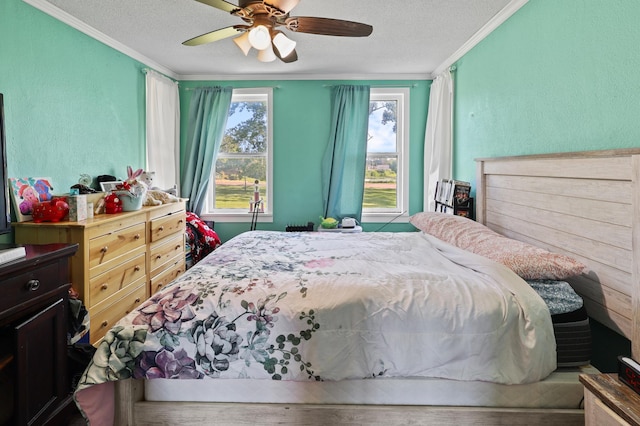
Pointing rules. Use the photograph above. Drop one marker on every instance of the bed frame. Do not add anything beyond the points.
(585, 205)
(582, 204)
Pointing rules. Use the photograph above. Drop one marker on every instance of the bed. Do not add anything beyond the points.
(518, 197)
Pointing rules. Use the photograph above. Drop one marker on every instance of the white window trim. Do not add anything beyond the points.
(241, 215)
(401, 95)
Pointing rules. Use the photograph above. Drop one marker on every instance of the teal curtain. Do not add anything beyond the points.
(208, 113)
(344, 161)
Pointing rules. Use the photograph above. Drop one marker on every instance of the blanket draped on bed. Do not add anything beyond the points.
(332, 306)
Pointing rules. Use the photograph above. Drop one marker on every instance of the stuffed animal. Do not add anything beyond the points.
(155, 197)
(147, 178)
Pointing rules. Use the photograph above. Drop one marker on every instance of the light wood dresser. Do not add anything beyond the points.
(121, 260)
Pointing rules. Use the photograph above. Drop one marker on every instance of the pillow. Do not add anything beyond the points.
(529, 262)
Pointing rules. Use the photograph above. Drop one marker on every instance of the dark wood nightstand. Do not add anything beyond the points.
(608, 401)
(33, 335)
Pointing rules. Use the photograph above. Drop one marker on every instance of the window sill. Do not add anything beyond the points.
(385, 218)
(237, 217)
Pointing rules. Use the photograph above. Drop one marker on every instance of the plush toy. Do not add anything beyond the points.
(147, 178)
(112, 204)
(155, 197)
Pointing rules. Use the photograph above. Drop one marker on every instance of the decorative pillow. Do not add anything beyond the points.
(529, 262)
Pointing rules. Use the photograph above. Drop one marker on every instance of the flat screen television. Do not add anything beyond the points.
(5, 214)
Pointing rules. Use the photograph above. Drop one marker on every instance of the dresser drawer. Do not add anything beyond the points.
(172, 270)
(162, 253)
(23, 287)
(116, 279)
(106, 248)
(102, 320)
(168, 225)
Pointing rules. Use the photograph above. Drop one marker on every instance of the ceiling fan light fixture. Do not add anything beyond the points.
(284, 44)
(259, 37)
(242, 41)
(267, 55)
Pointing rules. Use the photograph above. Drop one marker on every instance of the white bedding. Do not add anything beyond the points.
(330, 306)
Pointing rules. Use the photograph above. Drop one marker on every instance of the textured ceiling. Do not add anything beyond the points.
(411, 37)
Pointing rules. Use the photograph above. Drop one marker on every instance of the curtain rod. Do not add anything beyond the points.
(146, 71)
(379, 85)
(260, 87)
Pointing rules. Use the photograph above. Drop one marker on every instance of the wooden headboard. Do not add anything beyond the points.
(583, 204)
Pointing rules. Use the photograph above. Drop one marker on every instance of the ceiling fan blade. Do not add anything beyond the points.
(328, 26)
(213, 36)
(284, 5)
(220, 4)
(293, 56)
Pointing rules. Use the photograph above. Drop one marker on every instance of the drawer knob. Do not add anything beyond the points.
(180, 222)
(104, 286)
(137, 268)
(161, 228)
(104, 249)
(159, 256)
(137, 300)
(33, 285)
(136, 237)
(178, 247)
(104, 323)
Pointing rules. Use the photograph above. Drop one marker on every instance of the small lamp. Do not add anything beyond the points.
(259, 37)
(243, 42)
(267, 55)
(284, 44)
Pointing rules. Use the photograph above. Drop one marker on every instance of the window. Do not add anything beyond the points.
(386, 175)
(244, 157)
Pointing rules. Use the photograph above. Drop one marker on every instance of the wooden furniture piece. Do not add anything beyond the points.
(585, 205)
(608, 401)
(33, 335)
(582, 204)
(122, 258)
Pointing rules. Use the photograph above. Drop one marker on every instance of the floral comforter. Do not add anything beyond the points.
(331, 306)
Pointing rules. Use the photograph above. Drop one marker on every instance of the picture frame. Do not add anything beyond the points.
(110, 186)
(26, 192)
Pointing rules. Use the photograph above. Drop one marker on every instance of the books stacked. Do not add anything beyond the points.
(9, 252)
(454, 197)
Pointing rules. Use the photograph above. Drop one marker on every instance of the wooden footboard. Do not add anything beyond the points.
(132, 410)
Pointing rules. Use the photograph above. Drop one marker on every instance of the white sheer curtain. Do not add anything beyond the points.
(163, 130)
(439, 137)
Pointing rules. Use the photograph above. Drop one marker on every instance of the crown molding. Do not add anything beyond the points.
(73, 22)
(292, 77)
(482, 33)
(66, 18)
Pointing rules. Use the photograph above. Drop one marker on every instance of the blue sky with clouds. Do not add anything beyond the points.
(383, 138)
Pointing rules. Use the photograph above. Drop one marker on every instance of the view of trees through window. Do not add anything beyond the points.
(242, 158)
(243, 155)
(381, 175)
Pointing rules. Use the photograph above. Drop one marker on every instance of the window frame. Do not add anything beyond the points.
(243, 214)
(401, 96)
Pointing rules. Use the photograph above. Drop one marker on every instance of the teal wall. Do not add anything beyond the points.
(301, 121)
(72, 104)
(556, 76)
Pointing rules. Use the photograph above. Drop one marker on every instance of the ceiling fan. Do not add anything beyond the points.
(262, 32)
